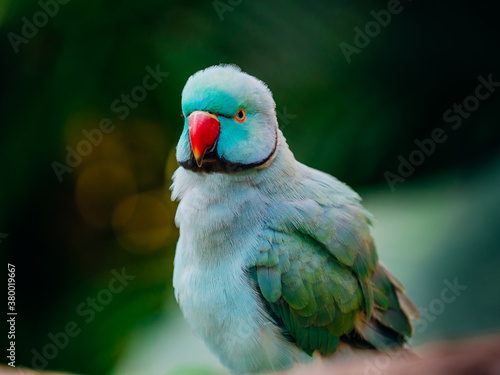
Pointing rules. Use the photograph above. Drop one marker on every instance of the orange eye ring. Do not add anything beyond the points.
(240, 116)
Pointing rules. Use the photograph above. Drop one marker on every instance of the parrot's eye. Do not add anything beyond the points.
(241, 115)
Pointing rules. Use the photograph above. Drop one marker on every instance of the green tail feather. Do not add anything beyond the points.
(390, 324)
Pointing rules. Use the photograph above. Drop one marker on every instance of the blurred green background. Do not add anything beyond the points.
(353, 120)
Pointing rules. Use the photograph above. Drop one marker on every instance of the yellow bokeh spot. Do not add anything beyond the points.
(142, 223)
(100, 187)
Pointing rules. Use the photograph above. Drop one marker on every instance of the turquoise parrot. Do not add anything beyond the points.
(275, 260)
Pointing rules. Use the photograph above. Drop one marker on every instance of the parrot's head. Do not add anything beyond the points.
(230, 122)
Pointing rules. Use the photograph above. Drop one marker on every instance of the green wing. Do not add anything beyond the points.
(318, 275)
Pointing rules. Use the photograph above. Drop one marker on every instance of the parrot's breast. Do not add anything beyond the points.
(219, 231)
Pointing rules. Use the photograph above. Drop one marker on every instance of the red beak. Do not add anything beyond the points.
(204, 130)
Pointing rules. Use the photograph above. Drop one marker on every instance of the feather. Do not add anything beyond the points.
(379, 337)
(407, 306)
(269, 279)
(368, 296)
(394, 319)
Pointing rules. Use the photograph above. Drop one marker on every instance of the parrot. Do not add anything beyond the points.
(274, 262)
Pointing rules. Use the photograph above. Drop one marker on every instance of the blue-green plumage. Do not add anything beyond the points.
(275, 259)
